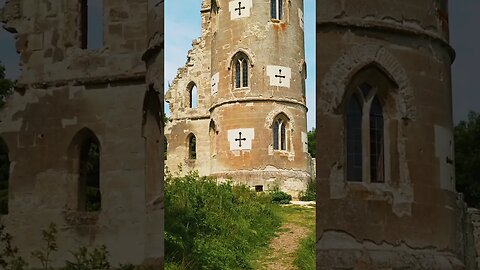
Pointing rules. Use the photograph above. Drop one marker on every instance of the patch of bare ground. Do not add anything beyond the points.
(283, 247)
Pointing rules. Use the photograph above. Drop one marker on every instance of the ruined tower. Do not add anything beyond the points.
(386, 189)
(248, 68)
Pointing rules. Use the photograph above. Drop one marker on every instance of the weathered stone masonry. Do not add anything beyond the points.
(413, 218)
(66, 91)
(236, 115)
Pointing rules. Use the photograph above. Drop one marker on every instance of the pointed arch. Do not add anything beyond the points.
(240, 66)
(276, 9)
(85, 152)
(91, 13)
(280, 127)
(192, 146)
(335, 82)
(353, 132)
(367, 107)
(192, 95)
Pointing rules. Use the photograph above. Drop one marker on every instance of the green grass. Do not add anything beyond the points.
(215, 226)
(305, 256)
(298, 215)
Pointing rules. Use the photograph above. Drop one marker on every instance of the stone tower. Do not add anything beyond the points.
(386, 189)
(249, 70)
(70, 96)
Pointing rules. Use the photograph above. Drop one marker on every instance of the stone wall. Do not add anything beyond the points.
(66, 91)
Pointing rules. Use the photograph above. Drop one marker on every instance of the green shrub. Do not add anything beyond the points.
(49, 236)
(281, 197)
(214, 226)
(310, 194)
(96, 259)
(305, 255)
(9, 258)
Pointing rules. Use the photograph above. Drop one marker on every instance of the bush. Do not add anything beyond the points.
(310, 194)
(49, 236)
(9, 258)
(214, 226)
(86, 260)
(281, 197)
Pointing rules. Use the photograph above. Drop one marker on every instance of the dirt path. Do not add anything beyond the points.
(283, 247)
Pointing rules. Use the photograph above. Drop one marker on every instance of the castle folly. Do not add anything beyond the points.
(247, 73)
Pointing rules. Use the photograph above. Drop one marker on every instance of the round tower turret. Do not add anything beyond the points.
(258, 106)
(386, 189)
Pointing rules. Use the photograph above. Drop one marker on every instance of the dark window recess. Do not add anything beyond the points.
(90, 196)
(192, 147)
(376, 142)
(276, 9)
(259, 188)
(91, 24)
(280, 133)
(237, 74)
(240, 70)
(354, 140)
(192, 96)
(365, 88)
(245, 73)
(276, 128)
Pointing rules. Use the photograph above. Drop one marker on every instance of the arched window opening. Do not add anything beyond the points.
(192, 147)
(280, 133)
(4, 177)
(376, 142)
(91, 24)
(365, 124)
(192, 95)
(276, 9)
(354, 139)
(240, 66)
(90, 196)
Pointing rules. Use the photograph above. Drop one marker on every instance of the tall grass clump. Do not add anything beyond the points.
(210, 225)
(311, 193)
(305, 255)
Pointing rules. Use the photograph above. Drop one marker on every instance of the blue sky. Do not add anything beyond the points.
(182, 25)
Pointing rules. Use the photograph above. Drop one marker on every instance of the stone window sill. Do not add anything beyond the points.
(282, 152)
(374, 191)
(76, 218)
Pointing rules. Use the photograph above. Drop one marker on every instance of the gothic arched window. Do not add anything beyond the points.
(280, 126)
(276, 9)
(364, 135)
(192, 147)
(240, 70)
(192, 95)
(85, 154)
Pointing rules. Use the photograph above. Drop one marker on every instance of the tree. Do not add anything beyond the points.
(467, 158)
(311, 142)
